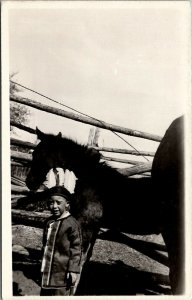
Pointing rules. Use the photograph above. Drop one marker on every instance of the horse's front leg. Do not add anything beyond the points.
(89, 217)
(89, 236)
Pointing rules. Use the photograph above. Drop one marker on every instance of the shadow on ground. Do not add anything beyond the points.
(120, 279)
(115, 278)
(150, 249)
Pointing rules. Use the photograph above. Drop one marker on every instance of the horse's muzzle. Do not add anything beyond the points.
(32, 184)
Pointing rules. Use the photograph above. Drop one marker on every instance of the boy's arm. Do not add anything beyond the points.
(45, 229)
(75, 249)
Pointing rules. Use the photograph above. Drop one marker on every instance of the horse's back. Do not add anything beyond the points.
(168, 180)
(168, 161)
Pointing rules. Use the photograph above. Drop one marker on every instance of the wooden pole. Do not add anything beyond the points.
(35, 219)
(19, 164)
(24, 144)
(124, 171)
(21, 155)
(124, 151)
(83, 119)
(16, 142)
(121, 160)
(138, 169)
(19, 189)
(96, 137)
(28, 157)
(17, 181)
(91, 136)
(23, 127)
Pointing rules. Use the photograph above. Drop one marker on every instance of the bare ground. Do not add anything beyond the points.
(121, 264)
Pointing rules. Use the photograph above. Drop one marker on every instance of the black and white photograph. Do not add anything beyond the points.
(96, 149)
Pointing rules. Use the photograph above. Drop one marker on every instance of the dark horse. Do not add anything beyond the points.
(104, 197)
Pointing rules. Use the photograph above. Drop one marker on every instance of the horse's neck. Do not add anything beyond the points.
(82, 163)
(74, 160)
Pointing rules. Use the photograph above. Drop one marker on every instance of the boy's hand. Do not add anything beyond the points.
(72, 277)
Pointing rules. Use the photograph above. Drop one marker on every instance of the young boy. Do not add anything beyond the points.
(62, 246)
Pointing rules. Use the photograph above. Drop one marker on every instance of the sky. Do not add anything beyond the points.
(126, 63)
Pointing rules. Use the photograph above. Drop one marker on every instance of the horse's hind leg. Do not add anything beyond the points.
(174, 241)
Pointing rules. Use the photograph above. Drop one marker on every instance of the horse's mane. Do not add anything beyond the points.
(83, 160)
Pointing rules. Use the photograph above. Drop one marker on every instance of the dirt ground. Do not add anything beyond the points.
(121, 264)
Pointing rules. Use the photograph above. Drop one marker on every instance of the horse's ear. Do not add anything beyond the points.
(40, 134)
(59, 135)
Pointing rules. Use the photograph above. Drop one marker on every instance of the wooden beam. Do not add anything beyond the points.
(96, 136)
(17, 181)
(23, 127)
(35, 219)
(28, 157)
(24, 144)
(124, 151)
(138, 169)
(21, 155)
(86, 120)
(19, 189)
(91, 136)
(23, 189)
(121, 160)
(19, 164)
(17, 142)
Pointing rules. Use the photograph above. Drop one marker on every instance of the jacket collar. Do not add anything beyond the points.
(64, 215)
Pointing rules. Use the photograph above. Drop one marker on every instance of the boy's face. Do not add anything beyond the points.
(58, 205)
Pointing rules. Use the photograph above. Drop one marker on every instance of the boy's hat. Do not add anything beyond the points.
(59, 191)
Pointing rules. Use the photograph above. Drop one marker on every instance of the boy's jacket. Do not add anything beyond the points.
(62, 251)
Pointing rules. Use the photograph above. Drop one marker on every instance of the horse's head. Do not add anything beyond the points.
(44, 157)
(55, 151)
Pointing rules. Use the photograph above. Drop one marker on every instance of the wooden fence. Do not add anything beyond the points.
(20, 161)
(86, 120)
